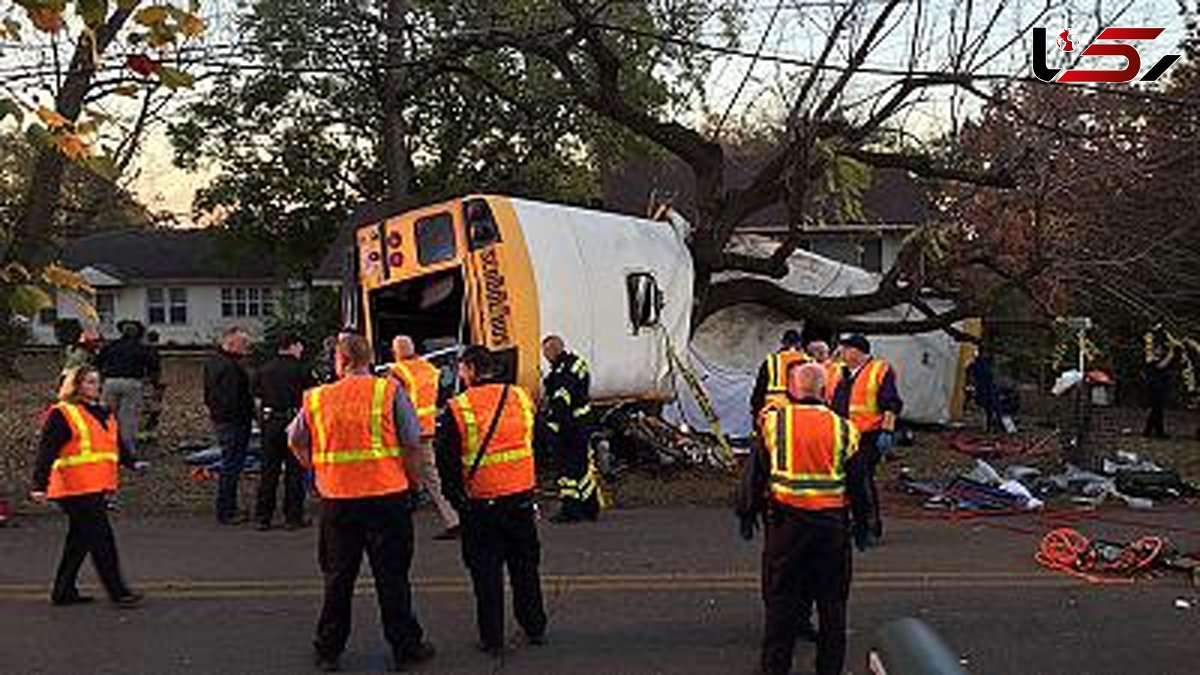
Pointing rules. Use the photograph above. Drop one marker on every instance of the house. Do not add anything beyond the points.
(186, 284)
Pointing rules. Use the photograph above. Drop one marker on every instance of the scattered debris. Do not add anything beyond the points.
(1182, 603)
(1100, 562)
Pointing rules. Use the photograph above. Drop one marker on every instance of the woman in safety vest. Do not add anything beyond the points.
(77, 468)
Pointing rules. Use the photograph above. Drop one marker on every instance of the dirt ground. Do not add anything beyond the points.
(168, 486)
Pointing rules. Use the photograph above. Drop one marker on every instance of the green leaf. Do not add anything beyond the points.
(13, 29)
(10, 107)
(103, 166)
(27, 300)
(93, 12)
(173, 78)
(39, 135)
(151, 16)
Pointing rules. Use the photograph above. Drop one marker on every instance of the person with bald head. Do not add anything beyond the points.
(797, 482)
(567, 407)
(420, 381)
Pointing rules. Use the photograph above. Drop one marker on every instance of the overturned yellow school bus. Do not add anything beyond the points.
(503, 273)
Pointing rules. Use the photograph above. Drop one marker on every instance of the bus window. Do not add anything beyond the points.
(481, 226)
(435, 239)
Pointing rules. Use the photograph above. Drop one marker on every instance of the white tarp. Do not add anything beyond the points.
(728, 348)
(582, 261)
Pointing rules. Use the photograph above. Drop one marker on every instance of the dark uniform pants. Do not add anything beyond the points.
(806, 560)
(493, 538)
(577, 483)
(868, 517)
(277, 460)
(88, 532)
(381, 526)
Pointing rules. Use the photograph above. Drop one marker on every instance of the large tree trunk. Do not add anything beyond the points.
(396, 159)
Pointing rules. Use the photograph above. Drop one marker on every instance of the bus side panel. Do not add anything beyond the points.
(503, 296)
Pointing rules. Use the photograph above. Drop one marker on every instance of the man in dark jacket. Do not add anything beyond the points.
(231, 408)
(279, 385)
(124, 365)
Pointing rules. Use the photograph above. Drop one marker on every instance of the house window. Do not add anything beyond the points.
(106, 307)
(48, 315)
(872, 255)
(166, 306)
(250, 301)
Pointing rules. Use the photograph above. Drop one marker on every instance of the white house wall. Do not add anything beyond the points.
(203, 326)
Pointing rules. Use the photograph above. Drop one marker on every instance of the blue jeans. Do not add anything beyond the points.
(234, 439)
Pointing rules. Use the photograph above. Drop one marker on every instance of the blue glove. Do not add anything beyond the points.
(748, 526)
(884, 443)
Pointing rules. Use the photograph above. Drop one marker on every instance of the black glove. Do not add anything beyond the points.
(748, 525)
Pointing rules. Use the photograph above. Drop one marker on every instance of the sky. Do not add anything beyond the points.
(749, 90)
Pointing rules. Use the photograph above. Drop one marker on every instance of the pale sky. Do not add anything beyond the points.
(796, 33)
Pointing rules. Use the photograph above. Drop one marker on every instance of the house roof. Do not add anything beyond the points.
(167, 254)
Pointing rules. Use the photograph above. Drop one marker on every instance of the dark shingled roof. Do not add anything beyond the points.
(167, 254)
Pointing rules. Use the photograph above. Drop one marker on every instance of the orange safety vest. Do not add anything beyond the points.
(864, 397)
(87, 464)
(507, 464)
(777, 373)
(356, 449)
(833, 375)
(808, 445)
(420, 379)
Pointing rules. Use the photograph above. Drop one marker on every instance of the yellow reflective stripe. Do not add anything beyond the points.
(580, 367)
(90, 458)
(773, 373)
(783, 440)
(377, 399)
(583, 411)
(348, 456)
(553, 426)
(81, 427)
(314, 408)
(563, 394)
(527, 413)
(491, 458)
(809, 488)
(427, 410)
(469, 421)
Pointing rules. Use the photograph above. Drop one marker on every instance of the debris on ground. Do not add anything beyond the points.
(1105, 562)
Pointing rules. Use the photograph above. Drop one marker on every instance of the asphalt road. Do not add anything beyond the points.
(644, 591)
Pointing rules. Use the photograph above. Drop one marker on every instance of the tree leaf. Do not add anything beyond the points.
(10, 107)
(103, 166)
(192, 26)
(93, 12)
(39, 135)
(57, 276)
(13, 29)
(127, 90)
(51, 117)
(15, 273)
(142, 65)
(46, 19)
(173, 78)
(27, 300)
(72, 146)
(151, 16)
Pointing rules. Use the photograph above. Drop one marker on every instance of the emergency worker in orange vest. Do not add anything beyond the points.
(798, 480)
(867, 394)
(770, 387)
(485, 455)
(76, 467)
(818, 351)
(362, 439)
(420, 380)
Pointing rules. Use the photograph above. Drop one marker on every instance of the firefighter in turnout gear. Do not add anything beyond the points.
(362, 439)
(485, 457)
(420, 380)
(770, 387)
(798, 481)
(567, 408)
(867, 394)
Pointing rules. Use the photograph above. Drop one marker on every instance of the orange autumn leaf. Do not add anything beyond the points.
(72, 146)
(51, 118)
(46, 19)
(192, 26)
